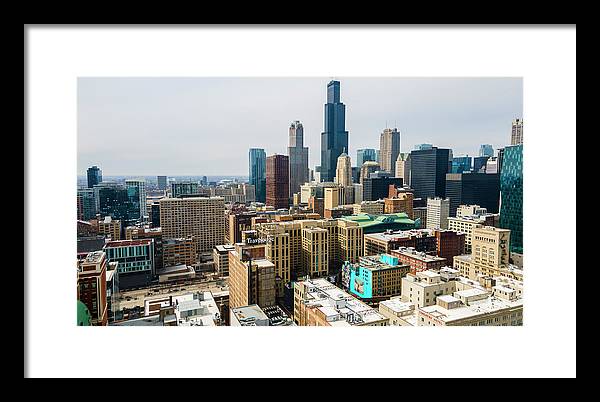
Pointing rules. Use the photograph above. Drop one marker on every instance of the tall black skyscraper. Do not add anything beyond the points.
(94, 176)
(334, 139)
(428, 172)
(473, 188)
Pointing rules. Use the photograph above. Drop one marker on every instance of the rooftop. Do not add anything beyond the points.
(351, 311)
(128, 243)
(419, 255)
(485, 306)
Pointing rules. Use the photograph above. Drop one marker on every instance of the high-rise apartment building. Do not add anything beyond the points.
(438, 211)
(428, 172)
(202, 218)
(91, 286)
(363, 155)
(486, 150)
(138, 186)
(511, 193)
(343, 171)
(298, 157)
(473, 188)
(251, 277)
(278, 187)
(516, 135)
(94, 176)
(344, 243)
(389, 148)
(161, 182)
(334, 138)
(86, 204)
(257, 172)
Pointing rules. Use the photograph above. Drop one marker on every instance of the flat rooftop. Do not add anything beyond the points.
(399, 234)
(418, 255)
(485, 306)
(128, 243)
(397, 306)
(224, 248)
(326, 294)
(249, 312)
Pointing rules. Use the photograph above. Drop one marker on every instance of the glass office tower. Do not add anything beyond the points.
(363, 155)
(94, 176)
(257, 172)
(428, 172)
(511, 195)
(334, 138)
(461, 164)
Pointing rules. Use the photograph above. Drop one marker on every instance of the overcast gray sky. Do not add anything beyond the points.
(204, 126)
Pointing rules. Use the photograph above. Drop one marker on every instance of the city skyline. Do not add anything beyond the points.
(150, 117)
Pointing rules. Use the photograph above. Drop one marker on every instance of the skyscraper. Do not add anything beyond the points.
(363, 155)
(479, 163)
(334, 139)
(403, 168)
(367, 168)
(257, 170)
(138, 186)
(423, 147)
(162, 182)
(486, 150)
(277, 181)
(428, 172)
(461, 164)
(511, 195)
(94, 176)
(343, 171)
(473, 188)
(516, 136)
(298, 155)
(389, 148)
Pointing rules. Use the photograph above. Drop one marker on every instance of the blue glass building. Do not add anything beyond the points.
(479, 162)
(461, 164)
(511, 195)
(119, 202)
(94, 176)
(334, 138)
(423, 147)
(257, 172)
(363, 155)
(486, 150)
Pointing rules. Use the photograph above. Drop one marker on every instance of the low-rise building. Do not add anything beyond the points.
(318, 302)
(422, 240)
(398, 312)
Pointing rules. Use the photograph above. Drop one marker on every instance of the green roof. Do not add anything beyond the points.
(367, 220)
(84, 317)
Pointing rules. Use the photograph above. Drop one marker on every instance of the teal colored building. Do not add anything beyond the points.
(511, 195)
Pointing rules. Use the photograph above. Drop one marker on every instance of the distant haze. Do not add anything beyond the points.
(205, 126)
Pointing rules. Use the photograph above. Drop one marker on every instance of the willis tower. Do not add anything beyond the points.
(334, 139)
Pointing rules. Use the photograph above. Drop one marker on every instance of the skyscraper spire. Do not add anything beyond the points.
(334, 138)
